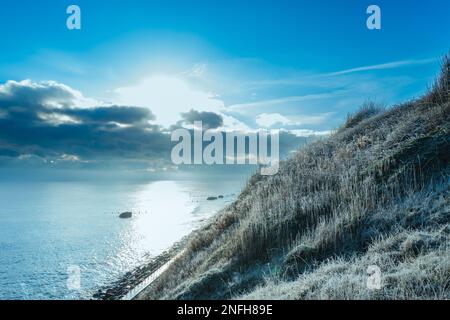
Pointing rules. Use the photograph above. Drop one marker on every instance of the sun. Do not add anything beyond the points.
(167, 96)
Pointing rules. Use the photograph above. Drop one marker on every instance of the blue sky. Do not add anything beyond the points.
(298, 65)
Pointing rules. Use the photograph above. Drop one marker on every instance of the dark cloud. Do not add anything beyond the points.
(42, 120)
(27, 94)
(117, 114)
(43, 123)
(210, 120)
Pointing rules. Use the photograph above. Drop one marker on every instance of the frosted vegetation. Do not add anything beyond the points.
(376, 192)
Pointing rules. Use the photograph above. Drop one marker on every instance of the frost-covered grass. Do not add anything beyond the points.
(414, 262)
(374, 193)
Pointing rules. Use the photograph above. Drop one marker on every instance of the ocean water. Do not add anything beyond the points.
(52, 232)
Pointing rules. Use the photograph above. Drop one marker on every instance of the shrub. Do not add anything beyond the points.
(367, 110)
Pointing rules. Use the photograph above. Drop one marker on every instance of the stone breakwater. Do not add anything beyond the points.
(120, 288)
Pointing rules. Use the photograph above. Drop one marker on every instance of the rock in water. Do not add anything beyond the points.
(125, 215)
(211, 198)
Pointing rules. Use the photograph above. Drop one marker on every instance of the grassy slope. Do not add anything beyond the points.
(375, 193)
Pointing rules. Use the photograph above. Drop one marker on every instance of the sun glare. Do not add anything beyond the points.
(168, 96)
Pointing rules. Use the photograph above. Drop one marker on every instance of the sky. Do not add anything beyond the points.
(138, 68)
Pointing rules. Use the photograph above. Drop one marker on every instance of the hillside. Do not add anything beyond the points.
(376, 192)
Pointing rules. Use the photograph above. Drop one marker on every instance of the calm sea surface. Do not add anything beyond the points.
(50, 229)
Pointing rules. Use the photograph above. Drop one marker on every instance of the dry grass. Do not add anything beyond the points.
(366, 111)
(375, 192)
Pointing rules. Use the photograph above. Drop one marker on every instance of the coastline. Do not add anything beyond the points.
(131, 280)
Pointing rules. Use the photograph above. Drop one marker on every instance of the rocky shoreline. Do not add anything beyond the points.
(132, 279)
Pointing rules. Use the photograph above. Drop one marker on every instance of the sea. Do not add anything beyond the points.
(63, 239)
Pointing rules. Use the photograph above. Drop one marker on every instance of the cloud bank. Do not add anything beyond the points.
(52, 123)
(46, 119)
(210, 120)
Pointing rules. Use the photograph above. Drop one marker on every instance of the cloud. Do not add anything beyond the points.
(311, 119)
(209, 120)
(317, 79)
(309, 133)
(47, 94)
(276, 120)
(168, 97)
(115, 114)
(322, 101)
(42, 119)
(389, 65)
(284, 100)
(197, 71)
(231, 123)
(42, 124)
(268, 120)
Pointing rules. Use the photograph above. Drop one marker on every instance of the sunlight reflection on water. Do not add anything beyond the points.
(46, 227)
